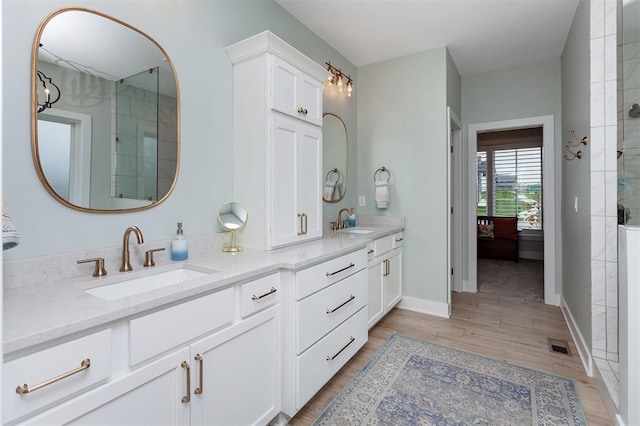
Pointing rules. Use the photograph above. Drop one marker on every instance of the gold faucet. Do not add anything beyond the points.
(343, 225)
(126, 265)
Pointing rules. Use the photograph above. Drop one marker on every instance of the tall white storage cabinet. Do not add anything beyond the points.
(277, 141)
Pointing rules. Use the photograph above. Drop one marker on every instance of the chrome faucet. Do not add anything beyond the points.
(126, 265)
(341, 224)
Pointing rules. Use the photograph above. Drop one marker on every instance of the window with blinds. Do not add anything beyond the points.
(510, 176)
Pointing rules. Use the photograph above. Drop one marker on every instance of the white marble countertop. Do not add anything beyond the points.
(37, 314)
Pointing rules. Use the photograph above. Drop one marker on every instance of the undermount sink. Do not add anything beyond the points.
(134, 286)
(358, 231)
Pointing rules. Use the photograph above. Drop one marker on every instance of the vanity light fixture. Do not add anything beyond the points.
(342, 81)
(51, 92)
(574, 142)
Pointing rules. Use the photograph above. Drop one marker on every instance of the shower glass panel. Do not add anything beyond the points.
(629, 152)
(136, 168)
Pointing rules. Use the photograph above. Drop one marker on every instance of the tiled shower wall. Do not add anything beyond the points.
(603, 146)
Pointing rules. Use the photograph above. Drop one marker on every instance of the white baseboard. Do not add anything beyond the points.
(425, 306)
(583, 350)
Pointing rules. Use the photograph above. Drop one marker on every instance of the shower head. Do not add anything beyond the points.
(634, 112)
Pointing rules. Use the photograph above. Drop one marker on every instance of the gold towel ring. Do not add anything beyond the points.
(382, 169)
(332, 171)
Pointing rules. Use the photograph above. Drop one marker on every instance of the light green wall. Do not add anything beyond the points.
(520, 92)
(194, 34)
(402, 125)
(454, 87)
(576, 226)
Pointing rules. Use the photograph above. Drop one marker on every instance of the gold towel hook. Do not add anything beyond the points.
(382, 169)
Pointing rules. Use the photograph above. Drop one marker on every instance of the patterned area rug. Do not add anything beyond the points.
(412, 382)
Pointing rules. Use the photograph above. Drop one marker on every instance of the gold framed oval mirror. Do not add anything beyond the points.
(335, 157)
(105, 115)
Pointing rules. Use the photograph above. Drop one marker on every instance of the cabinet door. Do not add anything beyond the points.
(150, 395)
(296, 156)
(286, 225)
(376, 307)
(295, 93)
(241, 373)
(310, 178)
(393, 279)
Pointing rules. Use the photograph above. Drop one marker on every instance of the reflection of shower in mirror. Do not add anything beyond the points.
(634, 111)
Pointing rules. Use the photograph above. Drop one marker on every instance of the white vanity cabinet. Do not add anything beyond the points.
(385, 276)
(215, 359)
(329, 325)
(277, 120)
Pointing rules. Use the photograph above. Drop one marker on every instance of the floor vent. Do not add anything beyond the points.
(559, 346)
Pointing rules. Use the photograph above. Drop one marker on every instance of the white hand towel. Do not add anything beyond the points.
(329, 190)
(10, 236)
(382, 194)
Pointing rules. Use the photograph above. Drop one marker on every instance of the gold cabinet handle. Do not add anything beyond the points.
(399, 240)
(306, 222)
(300, 216)
(273, 290)
(187, 398)
(329, 274)
(199, 389)
(387, 267)
(351, 340)
(302, 111)
(371, 251)
(330, 311)
(24, 388)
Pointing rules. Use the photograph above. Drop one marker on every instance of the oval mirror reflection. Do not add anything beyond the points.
(335, 143)
(105, 113)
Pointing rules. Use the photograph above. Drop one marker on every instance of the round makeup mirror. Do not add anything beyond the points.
(232, 216)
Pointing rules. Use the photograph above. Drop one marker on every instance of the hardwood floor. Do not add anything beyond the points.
(510, 329)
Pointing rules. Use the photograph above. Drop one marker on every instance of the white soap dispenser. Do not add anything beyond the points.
(179, 245)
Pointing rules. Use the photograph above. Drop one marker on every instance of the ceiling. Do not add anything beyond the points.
(482, 35)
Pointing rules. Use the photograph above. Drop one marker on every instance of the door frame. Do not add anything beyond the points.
(454, 207)
(551, 293)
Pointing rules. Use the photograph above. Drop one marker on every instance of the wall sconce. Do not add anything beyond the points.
(339, 79)
(48, 86)
(573, 143)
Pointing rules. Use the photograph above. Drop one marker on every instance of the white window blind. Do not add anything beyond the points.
(510, 184)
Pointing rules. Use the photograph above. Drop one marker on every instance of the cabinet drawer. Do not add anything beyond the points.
(259, 294)
(317, 277)
(40, 367)
(317, 365)
(155, 333)
(320, 313)
(398, 240)
(383, 245)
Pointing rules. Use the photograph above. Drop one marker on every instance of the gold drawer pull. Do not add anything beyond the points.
(329, 274)
(199, 389)
(187, 398)
(273, 290)
(371, 251)
(351, 340)
(300, 215)
(24, 388)
(330, 311)
(399, 240)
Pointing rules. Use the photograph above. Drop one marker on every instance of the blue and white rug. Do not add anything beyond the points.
(412, 382)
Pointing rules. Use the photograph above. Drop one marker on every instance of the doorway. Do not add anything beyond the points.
(551, 294)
